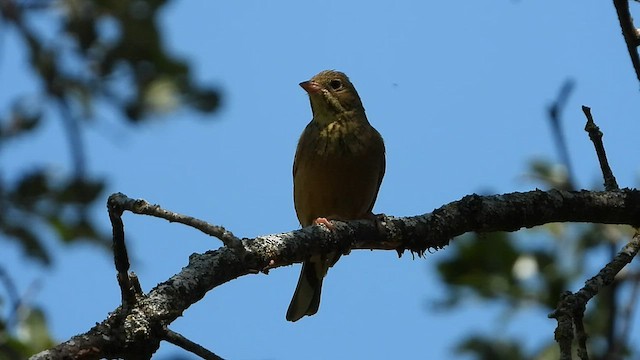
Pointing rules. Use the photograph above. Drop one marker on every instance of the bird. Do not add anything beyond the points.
(337, 172)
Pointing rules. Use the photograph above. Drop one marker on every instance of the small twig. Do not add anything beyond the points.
(581, 334)
(120, 256)
(630, 33)
(595, 135)
(135, 283)
(564, 331)
(571, 306)
(139, 206)
(555, 118)
(180, 341)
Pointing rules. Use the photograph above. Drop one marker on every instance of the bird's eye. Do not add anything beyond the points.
(335, 84)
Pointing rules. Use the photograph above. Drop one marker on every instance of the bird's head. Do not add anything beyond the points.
(332, 96)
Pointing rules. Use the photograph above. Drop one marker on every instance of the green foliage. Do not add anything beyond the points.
(32, 335)
(486, 270)
(114, 45)
(35, 199)
(491, 349)
(488, 348)
(107, 52)
(533, 268)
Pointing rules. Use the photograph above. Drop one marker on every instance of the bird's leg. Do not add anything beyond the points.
(324, 221)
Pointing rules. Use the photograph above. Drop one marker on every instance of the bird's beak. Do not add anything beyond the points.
(311, 87)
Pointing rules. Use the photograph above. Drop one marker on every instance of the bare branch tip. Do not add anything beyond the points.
(188, 345)
(587, 113)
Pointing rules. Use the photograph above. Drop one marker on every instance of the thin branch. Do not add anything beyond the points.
(595, 135)
(564, 331)
(120, 256)
(629, 32)
(570, 311)
(571, 306)
(181, 341)
(581, 334)
(610, 184)
(139, 206)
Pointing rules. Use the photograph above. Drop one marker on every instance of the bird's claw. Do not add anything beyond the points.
(324, 221)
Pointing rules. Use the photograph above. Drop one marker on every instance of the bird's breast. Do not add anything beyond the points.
(337, 172)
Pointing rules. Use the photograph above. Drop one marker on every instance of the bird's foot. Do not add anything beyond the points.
(324, 221)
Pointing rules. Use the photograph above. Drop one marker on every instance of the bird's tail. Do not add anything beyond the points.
(306, 298)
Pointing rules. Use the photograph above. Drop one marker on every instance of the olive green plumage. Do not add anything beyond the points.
(337, 171)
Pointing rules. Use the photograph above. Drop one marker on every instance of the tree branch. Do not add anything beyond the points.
(140, 206)
(138, 329)
(630, 33)
(572, 306)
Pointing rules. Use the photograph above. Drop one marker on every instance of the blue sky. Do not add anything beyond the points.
(459, 92)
